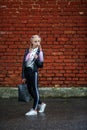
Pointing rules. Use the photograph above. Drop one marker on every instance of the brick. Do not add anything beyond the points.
(69, 32)
(63, 28)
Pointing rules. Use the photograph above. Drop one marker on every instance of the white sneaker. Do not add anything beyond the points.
(31, 112)
(42, 107)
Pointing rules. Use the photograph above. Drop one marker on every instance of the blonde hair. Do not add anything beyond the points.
(35, 36)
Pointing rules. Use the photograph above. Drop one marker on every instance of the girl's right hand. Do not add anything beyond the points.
(23, 81)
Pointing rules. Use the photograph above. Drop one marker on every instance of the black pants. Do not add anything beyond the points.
(32, 83)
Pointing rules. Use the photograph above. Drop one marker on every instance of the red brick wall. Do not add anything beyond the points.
(62, 24)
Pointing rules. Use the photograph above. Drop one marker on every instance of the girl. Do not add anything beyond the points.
(33, 59)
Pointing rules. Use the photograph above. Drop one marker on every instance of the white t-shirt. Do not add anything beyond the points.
(30, 61)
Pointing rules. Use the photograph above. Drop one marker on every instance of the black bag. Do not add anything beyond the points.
(23, 94)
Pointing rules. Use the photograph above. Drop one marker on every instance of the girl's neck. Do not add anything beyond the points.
(32, 48)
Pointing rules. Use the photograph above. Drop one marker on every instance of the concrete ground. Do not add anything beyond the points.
(60, 114)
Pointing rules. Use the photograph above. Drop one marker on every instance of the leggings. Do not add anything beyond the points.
(32, 84)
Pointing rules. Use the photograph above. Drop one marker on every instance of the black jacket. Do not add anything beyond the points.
(37, 64)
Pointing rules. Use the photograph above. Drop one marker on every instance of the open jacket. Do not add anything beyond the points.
(37, 63)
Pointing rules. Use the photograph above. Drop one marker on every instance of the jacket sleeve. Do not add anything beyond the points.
(23, 64)
(40, 60)
(23, 68)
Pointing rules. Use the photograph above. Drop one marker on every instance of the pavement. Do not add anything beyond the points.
(60, 114)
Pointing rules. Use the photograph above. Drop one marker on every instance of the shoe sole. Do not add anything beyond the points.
(30, 114)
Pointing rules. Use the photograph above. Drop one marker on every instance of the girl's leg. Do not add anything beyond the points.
(32, 83)
(29, 85)
(35, 90)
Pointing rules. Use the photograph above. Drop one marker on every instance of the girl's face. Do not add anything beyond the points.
(36, 42)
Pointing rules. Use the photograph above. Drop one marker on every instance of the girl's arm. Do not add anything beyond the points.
(23, 64)
(39, 61)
